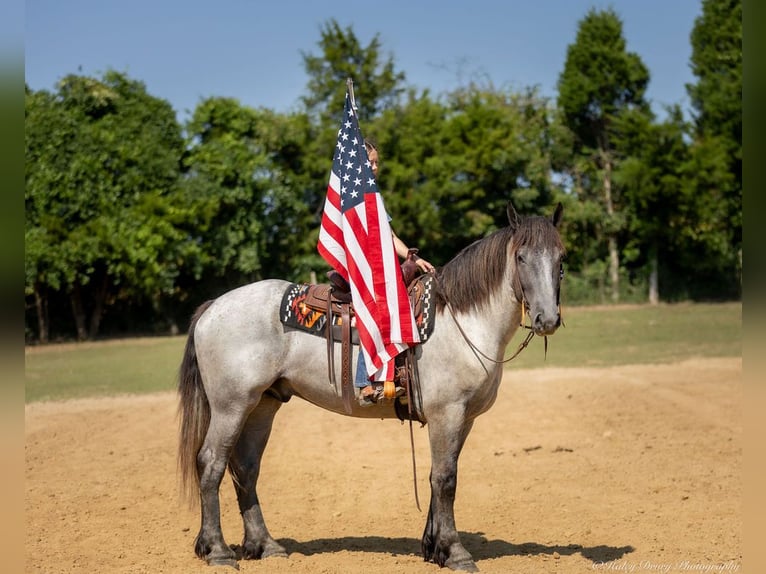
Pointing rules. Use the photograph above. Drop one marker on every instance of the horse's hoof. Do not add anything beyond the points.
(274, 554)
(462, 565)
(253, 551)
(274, 550)
(223, 561)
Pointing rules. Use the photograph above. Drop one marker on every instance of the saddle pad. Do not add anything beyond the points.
(293, 311)
(426, 315)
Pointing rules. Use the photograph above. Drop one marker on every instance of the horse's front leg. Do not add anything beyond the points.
(441, 543)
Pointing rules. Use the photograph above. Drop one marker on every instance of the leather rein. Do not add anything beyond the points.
(524, 309)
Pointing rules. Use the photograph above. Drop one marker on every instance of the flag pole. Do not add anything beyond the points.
(350, 88)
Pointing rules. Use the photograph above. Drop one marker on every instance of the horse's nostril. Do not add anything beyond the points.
(547, 324)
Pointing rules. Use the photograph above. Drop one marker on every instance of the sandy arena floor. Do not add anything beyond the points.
(632, 469)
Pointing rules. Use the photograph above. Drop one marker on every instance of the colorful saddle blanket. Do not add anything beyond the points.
(304, 306)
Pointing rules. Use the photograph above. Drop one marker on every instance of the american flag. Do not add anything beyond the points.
(355, 239)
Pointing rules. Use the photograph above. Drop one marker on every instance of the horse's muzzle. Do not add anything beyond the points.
(546, 324)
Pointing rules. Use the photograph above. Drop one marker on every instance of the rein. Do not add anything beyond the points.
(471, 344)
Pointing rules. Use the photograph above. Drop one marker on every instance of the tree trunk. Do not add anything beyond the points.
(654, 291)
(99, 297)
(78, 311)
(614, 267)
(41, 306)
(614, 256)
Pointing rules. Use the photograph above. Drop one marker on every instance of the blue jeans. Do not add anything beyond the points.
(360, 379)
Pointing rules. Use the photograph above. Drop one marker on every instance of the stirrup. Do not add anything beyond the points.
(378, 393)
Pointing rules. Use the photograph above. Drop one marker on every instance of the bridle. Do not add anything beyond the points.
(524, 307)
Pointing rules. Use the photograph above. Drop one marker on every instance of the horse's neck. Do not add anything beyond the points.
(493, 325)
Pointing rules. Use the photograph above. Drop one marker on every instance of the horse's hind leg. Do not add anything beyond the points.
(212, 459)
(245, 466)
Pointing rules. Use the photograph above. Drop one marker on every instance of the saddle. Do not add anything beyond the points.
(334, 300)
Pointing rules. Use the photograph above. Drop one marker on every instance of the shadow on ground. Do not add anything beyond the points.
(476, 543)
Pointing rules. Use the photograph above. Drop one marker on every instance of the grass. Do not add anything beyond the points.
(592, 336)
(72, 370)
(637, 334)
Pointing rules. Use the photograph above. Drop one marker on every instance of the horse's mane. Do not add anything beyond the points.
(476, 272)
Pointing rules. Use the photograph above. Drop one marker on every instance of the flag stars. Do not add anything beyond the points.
(357, 181)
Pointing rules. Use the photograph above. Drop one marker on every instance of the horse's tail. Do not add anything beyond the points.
(194, 412)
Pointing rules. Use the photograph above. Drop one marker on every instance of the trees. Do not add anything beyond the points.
(600, 82)
(341, 57)
(716, 99)
(242, 178)
(102, 162)
(675, 193)
(128, 210)
(652, 176)
(449, 169)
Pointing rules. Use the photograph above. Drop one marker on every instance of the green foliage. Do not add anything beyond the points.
(600, 80)
(716, 170)
(137, 219)
(102, 166)
(449, 170)
(716, 61)
(600, 85)
(243, 171)
(378, 87)
(342, 57)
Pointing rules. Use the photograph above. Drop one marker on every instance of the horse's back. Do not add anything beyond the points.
(255, 304)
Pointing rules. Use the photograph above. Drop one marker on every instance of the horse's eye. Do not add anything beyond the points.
(521, 259)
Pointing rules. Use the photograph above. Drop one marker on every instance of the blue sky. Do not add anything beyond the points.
(252, 49)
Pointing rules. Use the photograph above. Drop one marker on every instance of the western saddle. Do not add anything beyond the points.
(335, 299)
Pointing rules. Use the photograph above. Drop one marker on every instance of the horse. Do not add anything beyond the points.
(240, 364)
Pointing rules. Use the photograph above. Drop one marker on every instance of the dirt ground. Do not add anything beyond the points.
(626, 469)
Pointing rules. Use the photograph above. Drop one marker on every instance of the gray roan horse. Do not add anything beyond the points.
(241, 363)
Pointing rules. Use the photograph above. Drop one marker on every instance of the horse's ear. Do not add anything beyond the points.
(557, 214)
(513, 218)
